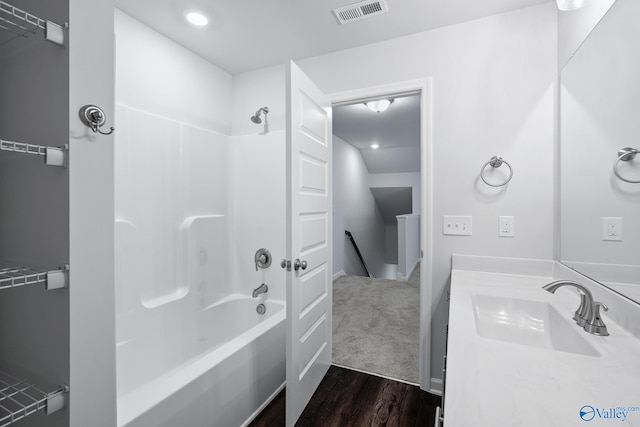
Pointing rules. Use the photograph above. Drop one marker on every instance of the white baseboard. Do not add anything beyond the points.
(401, 278)
(339, 274)
(375, 374)
(436, 386)
(264, 405)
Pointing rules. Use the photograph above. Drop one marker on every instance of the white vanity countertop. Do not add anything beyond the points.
(501, 384)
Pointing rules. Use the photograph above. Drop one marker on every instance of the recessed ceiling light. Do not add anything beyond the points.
(196, 18)
(566, 5)
(375, 146)
(379, 105)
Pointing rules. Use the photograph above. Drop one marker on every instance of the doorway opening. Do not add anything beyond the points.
(377, 189)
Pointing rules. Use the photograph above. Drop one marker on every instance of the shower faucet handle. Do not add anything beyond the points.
(262, 258)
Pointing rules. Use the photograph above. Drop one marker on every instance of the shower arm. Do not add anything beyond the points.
(256, 117)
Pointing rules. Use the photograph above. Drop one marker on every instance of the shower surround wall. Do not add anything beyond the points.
(193, 204)
(258, 178)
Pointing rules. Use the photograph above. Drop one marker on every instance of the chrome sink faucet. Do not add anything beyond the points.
(588, 313)
(262, 289)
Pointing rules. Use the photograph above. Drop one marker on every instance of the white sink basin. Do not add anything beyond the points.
(528, 322)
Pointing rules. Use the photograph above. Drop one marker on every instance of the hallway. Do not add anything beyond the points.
(376, 325)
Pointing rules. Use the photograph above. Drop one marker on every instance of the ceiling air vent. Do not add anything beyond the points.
(360, 10)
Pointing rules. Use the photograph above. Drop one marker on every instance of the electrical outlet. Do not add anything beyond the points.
(457, 225)
(612, 228)
(506, 226)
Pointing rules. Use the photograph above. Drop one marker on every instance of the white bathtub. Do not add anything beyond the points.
(220, 367)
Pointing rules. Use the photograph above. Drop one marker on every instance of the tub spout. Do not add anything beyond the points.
(262, 289)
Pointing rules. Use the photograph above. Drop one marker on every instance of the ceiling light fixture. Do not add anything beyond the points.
(375, 146)
(566, 5)
(196, 18)
(379, 105)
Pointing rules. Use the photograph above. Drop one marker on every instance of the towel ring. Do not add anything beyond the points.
(496, 162)
(624, 155)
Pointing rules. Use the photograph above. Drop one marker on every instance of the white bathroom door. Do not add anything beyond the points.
(309, 245)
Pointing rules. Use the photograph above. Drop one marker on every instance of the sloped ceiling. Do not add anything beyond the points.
(392, 201)
(396, 130)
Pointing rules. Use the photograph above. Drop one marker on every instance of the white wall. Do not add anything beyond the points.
(389, 160)
(599, 115)
(390, 243)
(408, 245)
(574, 26)
(161, 77)
(91, 212)
(258, 160)
(355, 210)
(255, 89)
(493, 85)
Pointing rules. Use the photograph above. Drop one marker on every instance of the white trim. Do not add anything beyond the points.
(557, 161)
(402, 278)
(375, 374)
(413, 268)
(424, 87)
(436, 386)
(264, 405)
(339, 274)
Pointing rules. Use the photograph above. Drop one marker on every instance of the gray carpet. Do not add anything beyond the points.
(376, 325)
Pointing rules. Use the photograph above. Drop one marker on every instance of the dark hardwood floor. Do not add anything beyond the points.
(347, 398)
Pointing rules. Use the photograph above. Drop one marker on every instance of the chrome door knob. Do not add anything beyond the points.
(297, 264)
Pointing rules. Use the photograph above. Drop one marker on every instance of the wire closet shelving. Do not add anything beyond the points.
(13, 277)
(16, 23)
(53, 156)
(20, 398)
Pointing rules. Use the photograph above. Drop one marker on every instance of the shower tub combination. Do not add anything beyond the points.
(191, 348)
(221, 372)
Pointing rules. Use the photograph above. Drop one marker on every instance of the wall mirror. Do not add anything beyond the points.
(599, 115)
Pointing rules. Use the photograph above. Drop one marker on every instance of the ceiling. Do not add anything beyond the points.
(396, 131)
(243, 35)
(392, 201)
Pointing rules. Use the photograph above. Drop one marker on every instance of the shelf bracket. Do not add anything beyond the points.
(56, 400)
(54, 33)
(58, 279)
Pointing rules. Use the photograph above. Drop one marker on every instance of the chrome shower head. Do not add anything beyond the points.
(256, 117)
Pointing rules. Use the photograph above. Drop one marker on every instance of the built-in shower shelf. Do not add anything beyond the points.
(13, 277)
(53, 156)
(17, 23)
(20, 398)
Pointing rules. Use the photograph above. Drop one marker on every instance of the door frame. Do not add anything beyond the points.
(424, 87)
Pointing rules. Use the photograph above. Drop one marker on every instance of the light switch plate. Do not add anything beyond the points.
(612, 228)
(506, 226)
(457, 225)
